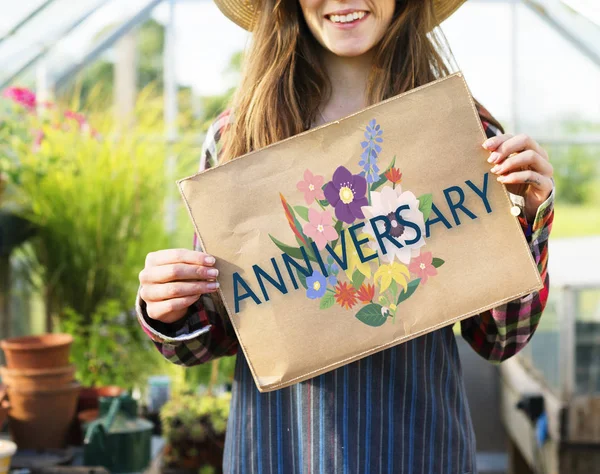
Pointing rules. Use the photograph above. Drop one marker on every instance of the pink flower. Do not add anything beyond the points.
(311, 187)
(319, 228)
(422, 266)
(38, 138)
(21, 96)
(79, 118)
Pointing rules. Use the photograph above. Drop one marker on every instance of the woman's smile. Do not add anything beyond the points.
(347, 19)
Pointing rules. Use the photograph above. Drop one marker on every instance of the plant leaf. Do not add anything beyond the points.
(412, 286)
(357, 279)
(425, 203)
(302, 212)
(371, 315)
(302, 278)
(293, 252)
(327, 301)
(437, 262)
(383, 179)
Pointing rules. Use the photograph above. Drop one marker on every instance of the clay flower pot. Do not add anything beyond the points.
(37, 352)
(89, 396)
(40, 419)
(38, 378)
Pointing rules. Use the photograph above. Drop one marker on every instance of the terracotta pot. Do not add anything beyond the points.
(37, 352)
(40, 419)
(89, 396)
(38, 378)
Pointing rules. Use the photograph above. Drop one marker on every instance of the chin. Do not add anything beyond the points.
(350, 50)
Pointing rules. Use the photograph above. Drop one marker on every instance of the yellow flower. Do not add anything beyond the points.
(353, 258)
(394, 271)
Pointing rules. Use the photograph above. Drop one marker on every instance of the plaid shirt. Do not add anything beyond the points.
(424, 371)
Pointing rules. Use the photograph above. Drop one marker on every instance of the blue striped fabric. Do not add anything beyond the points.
(403, 410)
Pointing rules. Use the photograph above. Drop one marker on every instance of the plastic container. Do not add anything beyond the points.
(7, 450)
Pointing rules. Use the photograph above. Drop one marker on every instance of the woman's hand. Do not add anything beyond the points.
(524, 167)
(173, 280)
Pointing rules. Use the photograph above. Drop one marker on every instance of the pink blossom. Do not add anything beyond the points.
(21, 96)
(319, 228)
(79, 118)
(311, 187)
(38, 138)
(422, 266)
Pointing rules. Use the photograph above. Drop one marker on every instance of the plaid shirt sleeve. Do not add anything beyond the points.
(501, 332)
(206, 332)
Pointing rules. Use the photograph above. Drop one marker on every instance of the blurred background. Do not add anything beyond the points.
(105, 104)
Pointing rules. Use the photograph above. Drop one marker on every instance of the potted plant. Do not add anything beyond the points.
(194, 430)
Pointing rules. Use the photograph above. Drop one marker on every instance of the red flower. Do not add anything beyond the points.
(393, 175)
(366, 293)
(21, 96)
(80, 119)
(422, 266)
(345, 295)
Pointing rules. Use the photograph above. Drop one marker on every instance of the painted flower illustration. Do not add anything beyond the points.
(422, 266)
(316, 285)
(393, 175)
(346, 193)
(385, 203)
(354, 261)
(345, 295)
(311, 187)
(371, 150)
(332, 270)
(392, 272)
(319, 227)
(366, 293)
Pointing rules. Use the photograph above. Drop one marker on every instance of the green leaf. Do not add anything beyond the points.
(302, 278)
(357, 279)
(437, 262)
(293, 252)
(371, 315)
(383, 179)
(328, 300)
(425, 203)
(302, 212)
(412, 286)
(338, 228)
(323, 202)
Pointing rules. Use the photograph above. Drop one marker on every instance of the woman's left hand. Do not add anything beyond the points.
(524, 167)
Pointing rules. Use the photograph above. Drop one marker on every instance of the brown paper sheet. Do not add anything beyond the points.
(470, 256)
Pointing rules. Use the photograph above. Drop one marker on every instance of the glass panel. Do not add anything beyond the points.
(587, 334)
(543, 351)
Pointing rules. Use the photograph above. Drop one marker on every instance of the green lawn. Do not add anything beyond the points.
(576, 221)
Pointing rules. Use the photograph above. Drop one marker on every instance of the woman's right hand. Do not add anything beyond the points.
(172, 280)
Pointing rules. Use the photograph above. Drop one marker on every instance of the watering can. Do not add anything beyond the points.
(118, 439)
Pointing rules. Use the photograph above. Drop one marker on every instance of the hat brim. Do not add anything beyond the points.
(243, 12)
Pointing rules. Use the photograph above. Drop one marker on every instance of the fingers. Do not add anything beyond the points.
(180, 289)
(177, 272)
(502, 146)
(169, 311)
(528, 177)
(171, 256)
(525, 159)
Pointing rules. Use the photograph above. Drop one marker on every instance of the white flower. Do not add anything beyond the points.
(385, 203)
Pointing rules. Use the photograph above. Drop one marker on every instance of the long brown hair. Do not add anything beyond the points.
(284, 81)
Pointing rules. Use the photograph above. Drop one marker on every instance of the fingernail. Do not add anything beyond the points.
(500, 178)
(213, 285)
(495, 169)
(209, 260)
(213, 272)
(488, 143)
(493, 157)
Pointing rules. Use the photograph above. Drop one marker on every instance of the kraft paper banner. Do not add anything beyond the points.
(360, 234)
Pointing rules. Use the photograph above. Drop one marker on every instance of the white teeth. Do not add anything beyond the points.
(347, 18)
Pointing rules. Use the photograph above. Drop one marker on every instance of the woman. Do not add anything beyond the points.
(398, 411)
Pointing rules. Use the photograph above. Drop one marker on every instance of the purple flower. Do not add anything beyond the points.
(317, 285)
(371, 150)
(346, 193)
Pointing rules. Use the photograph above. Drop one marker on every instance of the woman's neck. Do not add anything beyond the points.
(348, 78)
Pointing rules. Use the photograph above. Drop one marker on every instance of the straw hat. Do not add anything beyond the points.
(242, 12)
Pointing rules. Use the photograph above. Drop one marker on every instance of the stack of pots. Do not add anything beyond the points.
(42, 390)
